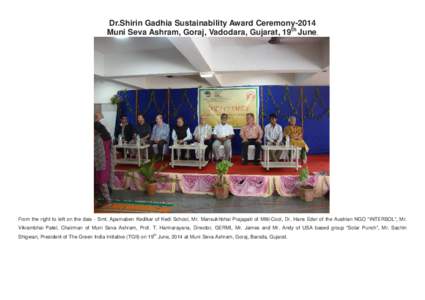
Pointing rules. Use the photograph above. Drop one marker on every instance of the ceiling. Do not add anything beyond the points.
(252, 41)
(148, 62)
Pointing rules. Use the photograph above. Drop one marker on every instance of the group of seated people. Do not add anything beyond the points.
(221, 135)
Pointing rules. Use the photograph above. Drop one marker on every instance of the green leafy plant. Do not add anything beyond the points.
(305, 190)
(122, 97)
(115, 99)
(303, 176)
(222, 168)
(151, 173)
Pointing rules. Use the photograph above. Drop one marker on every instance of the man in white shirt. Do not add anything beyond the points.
(203, 133)
(223, 134)
(274, 136)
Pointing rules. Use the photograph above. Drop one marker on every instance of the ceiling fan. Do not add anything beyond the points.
(274, 40)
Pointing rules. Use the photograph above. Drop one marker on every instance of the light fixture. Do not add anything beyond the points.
(206, 74)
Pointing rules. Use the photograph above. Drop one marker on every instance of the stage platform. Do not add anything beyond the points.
(316, 163)
(244, 180)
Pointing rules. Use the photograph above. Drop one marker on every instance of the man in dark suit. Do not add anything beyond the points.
(143, 129)
(124, 129)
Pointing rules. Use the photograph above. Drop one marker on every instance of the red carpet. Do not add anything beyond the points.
(316, 163)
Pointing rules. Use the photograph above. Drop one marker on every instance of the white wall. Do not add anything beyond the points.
(162, 82)
(229, 79)
(248, 78)
(175, 82)
(320, 78)
(325, 53)
(99, 61)
(103, 91)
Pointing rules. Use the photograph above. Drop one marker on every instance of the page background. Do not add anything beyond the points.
(48, 50)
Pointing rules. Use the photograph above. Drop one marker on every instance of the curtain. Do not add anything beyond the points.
(310, 105)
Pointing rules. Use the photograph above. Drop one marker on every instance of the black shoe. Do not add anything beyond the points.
(244, 162)
(256, 162)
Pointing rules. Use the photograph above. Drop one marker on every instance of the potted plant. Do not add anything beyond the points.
(151, 175)
(221, 188)
(118, 98)
(115, 99)
(306, 191)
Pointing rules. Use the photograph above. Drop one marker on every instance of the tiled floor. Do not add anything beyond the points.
(185, 203)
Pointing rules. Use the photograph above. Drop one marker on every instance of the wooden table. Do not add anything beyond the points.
(138, 161)
(200, 163)
(293, 162)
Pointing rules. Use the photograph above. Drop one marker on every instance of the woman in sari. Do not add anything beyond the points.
(102, 162)
(295, 134)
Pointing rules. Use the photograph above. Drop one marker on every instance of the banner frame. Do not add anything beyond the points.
(257, 108)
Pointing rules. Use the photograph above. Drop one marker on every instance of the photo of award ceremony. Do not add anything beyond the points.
(211, 150)
(211, 125)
